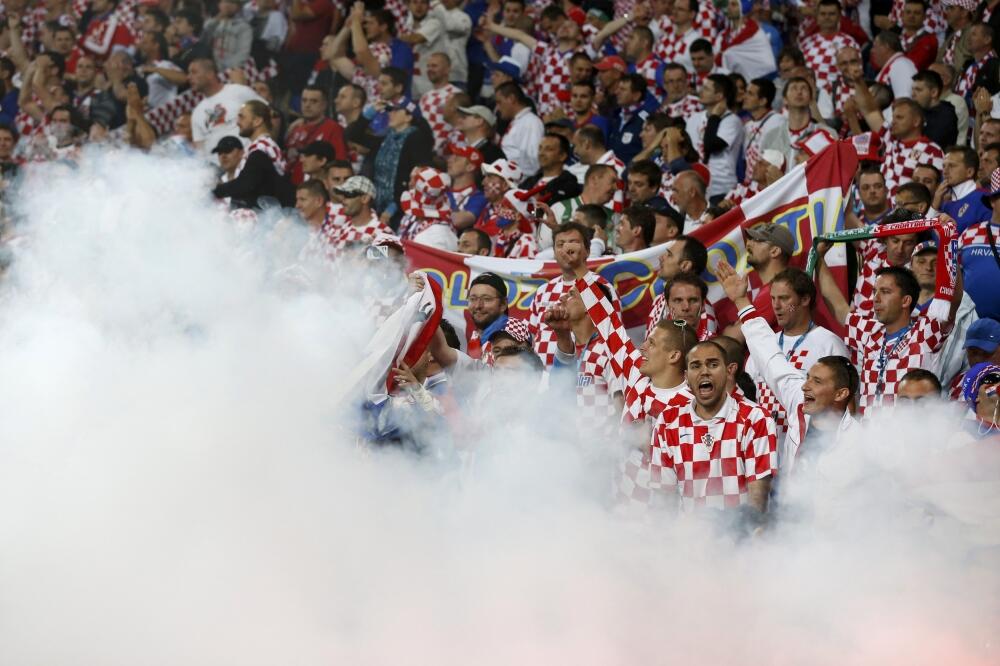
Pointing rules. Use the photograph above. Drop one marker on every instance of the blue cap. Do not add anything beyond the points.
(407, 105)
(508, 66)
(983, 334)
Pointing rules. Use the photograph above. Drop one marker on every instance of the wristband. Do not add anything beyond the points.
(747, 313)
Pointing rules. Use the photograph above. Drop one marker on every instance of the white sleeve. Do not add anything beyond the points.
(731, 130)
(438, 235)
(901, 80)
(781, 376)
(431, 28)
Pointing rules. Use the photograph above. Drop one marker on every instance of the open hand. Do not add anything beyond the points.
(736, 285)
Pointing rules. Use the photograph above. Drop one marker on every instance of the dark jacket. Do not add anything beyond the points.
(258, 180)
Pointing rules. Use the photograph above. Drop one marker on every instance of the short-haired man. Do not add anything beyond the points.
(821, 47)
(876, 254)
(688, 256)
(357, 224)
(635, 229)
(571, 242)
(310, 200)
(989, 161)
(467, 200)
(680, 103)
(643, 181)
(766, 129)
(906, 146)
(889, 342)
(520, 142)
(919, 44)
(718, 134)
(599, 188)
(476, 123)
(679, 32)
(982, 62)
(626, 124)
(581, 107)
(215, 116)
(691, 196)
(555, 181)
(475, 242)
(941, 122)
(895, 69)
(918, 386)
(732, 439)
(818, 401)
(314, 125)
(434, 101)
(959, 195)
(262, 171)
(685, 298)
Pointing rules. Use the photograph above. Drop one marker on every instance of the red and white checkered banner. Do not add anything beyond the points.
(809, 200)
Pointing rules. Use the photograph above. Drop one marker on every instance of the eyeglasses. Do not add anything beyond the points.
(475, 300)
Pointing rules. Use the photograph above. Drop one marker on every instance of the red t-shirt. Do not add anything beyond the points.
(306, 36)
(303, 134)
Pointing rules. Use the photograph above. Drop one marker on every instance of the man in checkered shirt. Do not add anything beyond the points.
(820, 48)
(716, 451)
(357, 223)
(878, 253)
(685, 298)
(571, 242)
(549, 67)
(432, 103)
(891, 342)
(679, 33)
(906, 147)
(679, 103)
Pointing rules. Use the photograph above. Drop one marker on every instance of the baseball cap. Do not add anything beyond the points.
(480, 111)
(320, 149)
(407, 105)
(969, 5)
(468, 152)
(611, 62)
(228, 144)
(926, 246)
(508, 66)
(994, 189)
(776, 234)
(356, 185)
(491, 280)
(983, 334)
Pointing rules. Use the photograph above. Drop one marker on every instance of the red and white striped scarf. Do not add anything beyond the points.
(264, 144)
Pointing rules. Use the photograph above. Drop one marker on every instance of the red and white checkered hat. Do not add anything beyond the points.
(969, 5)
(518, 330)
(431, 184)
(994, 188)
(506, 169)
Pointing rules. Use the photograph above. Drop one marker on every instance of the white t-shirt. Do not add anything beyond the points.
(520, 143)
(721, 165)
(900, 76)
(161, 90)
(215, 116)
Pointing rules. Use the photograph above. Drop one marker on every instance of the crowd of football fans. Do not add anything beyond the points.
(570, 131)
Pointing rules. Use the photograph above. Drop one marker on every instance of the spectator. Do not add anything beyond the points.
(372, 37)
(989, 160)
(476, 124)
(599, 187)
(434, 101)
(625, 135)
(719, 135)
(466, 200)
(679, 33)
(766, 129)
(458, 27)
(947, 74)
(520, 142)
(581, 107)
(357, 224)
(426, 34)
(556, 183)
(229, 36)
(270, 30)
(982, 64)
(403, 148)
(215, 116)
(643, 181)
(313, 126)
(959, 196)
(907, 146)
(919, 44)
(679, 103)
(261, 175)
(105, 32)
(314, 159)
(154, 51)
(635, 229)
(960, 14)
(894, 68)
(311, 199)
(941, 122)
(230, 152)
(476, 242)
(689, 193)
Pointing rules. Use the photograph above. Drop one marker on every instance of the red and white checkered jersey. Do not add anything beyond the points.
(684, 107)
(649, 69)
(432, 105)
(673, 46)
(549, 74)
(801, 351)
(873, 257)
(712, 462)
(545, 297)
(934, 20)
(399, 10)
(383, 54)
(902, 157)
(821, 55)
(266, 145)
(968, 78)
(866, 337)
(596, 384)
(840, 92)
(754, 133)
(523, 246)
(743, 192)
(708, 324)
(339, 232)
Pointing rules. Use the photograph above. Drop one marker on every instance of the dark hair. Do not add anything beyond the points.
(570, 227)
(675, 66)
(193, 19)
(795, 79)
(735, 350)
(930, 77)
(385, 17)
(358, 92)
(700, 46)
(564, 144)
(593, 134)
(596, 169)
(450, 334)
(681, 337)
(491, 280)
(646, 34)
(905, 280)
(921, 375)
(928, 165)
(726, 86)
(526, 355)
(709, 343)
(793, 54)
(648, 169)
(553, 12)
(890, 40)
(916, 2)
(835, 3)
(511, 89)
(765, 89)
(161, 44)
(59, 60)
(695, 252)
(969, 156)
(918, 190)
(912, 106)
(658, 120)
(993, 146)
(900, 215)
(799, 282)
(159, 16)
(260, 110)
(642, 217)
(56, 27)
(207, 63)
(688, 279)
(637, 82)
(871, 169)
(319, 89)
(483, 241)
(314, 186)
(339, 164)
(4, 127)
(397, 75)
(845, 375)
(586, 84)
(594, 213)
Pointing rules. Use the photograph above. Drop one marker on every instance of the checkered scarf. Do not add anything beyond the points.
(428, 199)
(265, 144)
(944, 281)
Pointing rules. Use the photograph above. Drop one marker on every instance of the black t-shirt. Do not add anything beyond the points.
(941, 124)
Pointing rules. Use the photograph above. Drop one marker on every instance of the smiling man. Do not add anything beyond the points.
(715, 451)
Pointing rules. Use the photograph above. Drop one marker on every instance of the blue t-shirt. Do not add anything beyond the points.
(475, 203)
(968, 210)
(980, 273)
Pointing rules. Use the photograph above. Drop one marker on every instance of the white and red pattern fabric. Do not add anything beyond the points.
(383, 55)
(821, 55)
(650, 69)
(866, 338)
(618, 198)
(552, 76)
(673, 46)
(340, 232)
(105, 33)
(595, 387)
(902, 157)
(754, 133)
(545, 297)
(519, 245)
(708, 325)
(964, 86)
(746, 51)
(934, 20)
(873, 257)
(743, 192)
(264, 144)
(683, 108)
(949, 48)
(432, 105)
(426, 203)
(712, 462)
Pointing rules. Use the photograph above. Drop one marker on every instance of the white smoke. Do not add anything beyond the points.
(176, 487)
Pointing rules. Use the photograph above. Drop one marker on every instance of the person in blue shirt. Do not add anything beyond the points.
(963, 199)
(979, 256)
(626, 124)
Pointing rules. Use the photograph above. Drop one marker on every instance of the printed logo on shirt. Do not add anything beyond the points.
(217, 116)
(584, 380)
(961, 211)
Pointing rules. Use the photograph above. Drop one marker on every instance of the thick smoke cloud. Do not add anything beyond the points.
(178, 486)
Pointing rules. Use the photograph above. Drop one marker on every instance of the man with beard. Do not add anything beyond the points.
(215, 115)
(356, 222)
(715, 451)
(685, 255)
(571, 242)
(261, 172)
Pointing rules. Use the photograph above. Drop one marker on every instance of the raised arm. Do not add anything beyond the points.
(834, 298)
(625, 358)
(359, 42)
(597, 41)
(511, 33)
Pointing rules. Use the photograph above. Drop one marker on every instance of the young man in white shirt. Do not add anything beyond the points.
(215, 116)
(520, 143)
(718, 134)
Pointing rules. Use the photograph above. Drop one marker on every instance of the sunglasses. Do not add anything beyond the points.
(990, 379)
